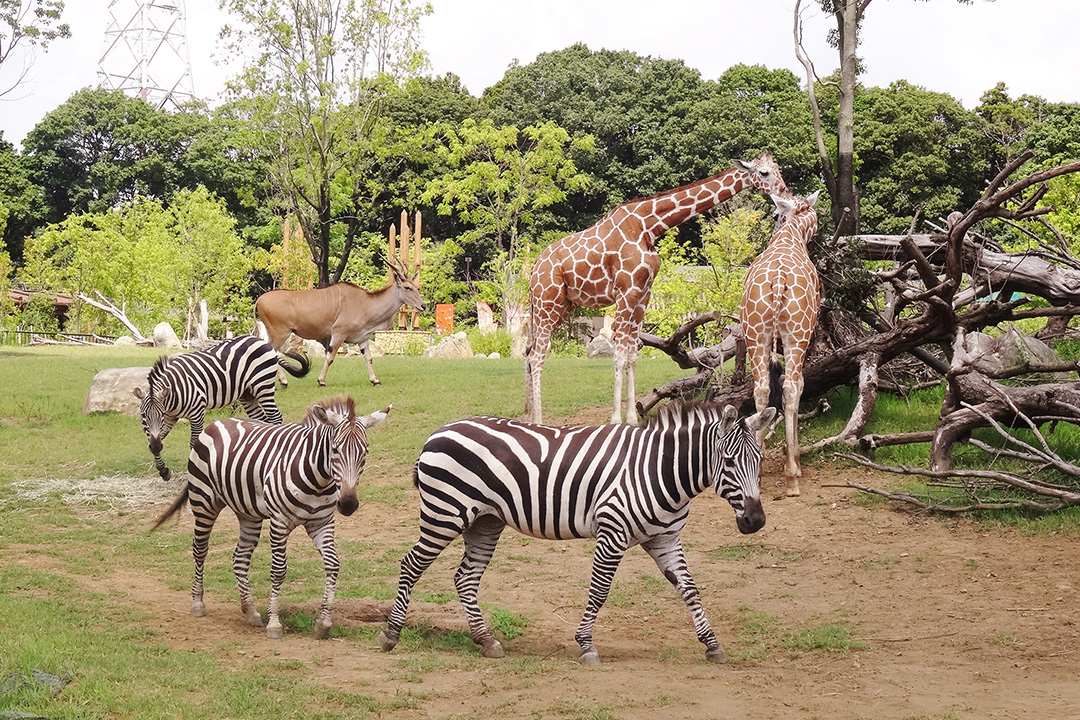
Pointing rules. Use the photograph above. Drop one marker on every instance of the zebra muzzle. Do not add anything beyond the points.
(752, 518)
(348, 503)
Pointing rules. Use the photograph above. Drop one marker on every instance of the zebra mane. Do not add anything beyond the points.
(156, 371)
(684, 410)
(340, 403)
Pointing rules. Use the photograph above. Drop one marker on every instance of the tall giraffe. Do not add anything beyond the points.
(615, 262)
(780, 301)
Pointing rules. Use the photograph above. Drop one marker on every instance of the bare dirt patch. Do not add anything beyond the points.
(954, 620)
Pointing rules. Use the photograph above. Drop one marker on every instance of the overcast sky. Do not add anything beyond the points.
(964, 50)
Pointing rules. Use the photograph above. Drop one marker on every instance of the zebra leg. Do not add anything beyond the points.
(162, 470)
(667, 551)
(205, 516)
(413, 565)
(323, 538)
(480, 541)
(279, 538)
(610, 549)
(250, 529)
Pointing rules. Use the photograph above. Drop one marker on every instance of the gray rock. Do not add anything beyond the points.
(165, 336)
(112, 390)
(1013, 349)
(600, 347)
(125, 341)
(452, 346)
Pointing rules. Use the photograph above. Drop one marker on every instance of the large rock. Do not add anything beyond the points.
(600, 347)
(1013, 349)
(112, 390)
(165, 337)
(452, 346)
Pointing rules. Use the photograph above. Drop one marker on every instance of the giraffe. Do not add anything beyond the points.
(615, 262)
(780, 301)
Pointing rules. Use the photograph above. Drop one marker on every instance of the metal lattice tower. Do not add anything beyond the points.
(145, 53)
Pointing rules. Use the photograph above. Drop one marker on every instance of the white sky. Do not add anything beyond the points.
(963, 50)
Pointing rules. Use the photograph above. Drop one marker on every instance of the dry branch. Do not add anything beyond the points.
(109, 307)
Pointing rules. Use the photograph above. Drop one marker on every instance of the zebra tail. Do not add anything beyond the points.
(301, 371)
(177, 506)
(776, 386)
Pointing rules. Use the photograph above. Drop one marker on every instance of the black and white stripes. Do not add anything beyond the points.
(622, 484)
(186, 385)
(292, 475)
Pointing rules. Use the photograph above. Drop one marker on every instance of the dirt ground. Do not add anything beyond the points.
(955, 621)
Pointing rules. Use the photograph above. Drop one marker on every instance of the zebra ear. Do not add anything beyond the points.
(376, 417)
(761, 420)
(322, 416)
(139, 393)
(163, 393)
(728, 417)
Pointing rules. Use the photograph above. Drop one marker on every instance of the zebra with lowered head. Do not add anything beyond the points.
(292, 475)
(621, 484)
(186, 385)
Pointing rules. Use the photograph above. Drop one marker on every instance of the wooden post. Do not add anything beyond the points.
(402, 251)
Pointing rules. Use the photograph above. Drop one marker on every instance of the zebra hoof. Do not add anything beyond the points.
(716, 655)
(322, 384)
(493, 650)
(376, 382)
(589, 657)
(275, 631)
(254, 620)
(388, 641)
(198, 609)
(322, 631)
(165, 474)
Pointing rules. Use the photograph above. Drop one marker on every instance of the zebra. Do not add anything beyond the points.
(292, 475)
(186, 385)
(621, 484)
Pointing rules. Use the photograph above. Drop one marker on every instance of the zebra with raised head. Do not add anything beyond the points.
(621, 484)
(292, 475)
(186, 385)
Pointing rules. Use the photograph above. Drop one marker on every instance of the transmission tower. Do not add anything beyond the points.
(145, 53)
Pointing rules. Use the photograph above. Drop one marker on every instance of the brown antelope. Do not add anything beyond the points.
(337, 314)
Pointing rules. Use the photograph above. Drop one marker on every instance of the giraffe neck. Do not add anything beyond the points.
(665, 210)
(796, 230)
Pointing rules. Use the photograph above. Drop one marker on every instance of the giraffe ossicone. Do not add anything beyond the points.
(614, 262)
(780, 301)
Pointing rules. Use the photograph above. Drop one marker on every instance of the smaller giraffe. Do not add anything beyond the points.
(780, 301)
(614, 262)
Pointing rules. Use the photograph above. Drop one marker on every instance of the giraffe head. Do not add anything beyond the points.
(792, 207)
(764, 174)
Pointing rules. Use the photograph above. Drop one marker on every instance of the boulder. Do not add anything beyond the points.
(112, 390)
(165, 337)
(125, 341)
(600, 347)
(452, 346)
(1013, 349)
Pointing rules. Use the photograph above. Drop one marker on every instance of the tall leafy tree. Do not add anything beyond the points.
(839, 177)
(312, 86)
(499, 178)
(101, 148)
(21, 201)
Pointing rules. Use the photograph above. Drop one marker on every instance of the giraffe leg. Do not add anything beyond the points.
(545, 318)
(250, 529)
(610, 549)
(793, 387)
(624, 333)
(433, 540)
(323, 538)
(279, 538)
(480, 541)
(667, 552)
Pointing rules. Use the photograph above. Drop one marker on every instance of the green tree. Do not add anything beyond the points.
(26, 24)
(101, 148)
(314, 77)
(21, 201)
(499, 178)
(156, 262)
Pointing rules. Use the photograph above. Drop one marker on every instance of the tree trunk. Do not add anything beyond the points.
(845, 204)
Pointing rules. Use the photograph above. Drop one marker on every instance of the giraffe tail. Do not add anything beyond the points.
(776, 386)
